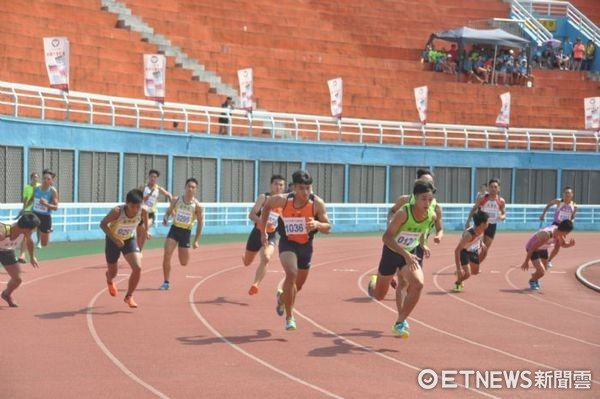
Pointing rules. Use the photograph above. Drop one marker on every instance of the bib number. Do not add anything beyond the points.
(407, 239)
(183, 217)
(125, 231)
(294, 226)
(273, 220)
(38, 207)
(564, 215)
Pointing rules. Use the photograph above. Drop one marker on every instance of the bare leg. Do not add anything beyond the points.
(289, 262)
(413, 292)
(248, 257)
(14, 271)
(184, 256)
(261, 270)
(170, 245)
(133, 258)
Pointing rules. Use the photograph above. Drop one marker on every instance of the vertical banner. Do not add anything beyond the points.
(421, 101)
(155, 71)
(503, 118)
(56, 54)
(336, 93)
(592, 113)
(246, 88)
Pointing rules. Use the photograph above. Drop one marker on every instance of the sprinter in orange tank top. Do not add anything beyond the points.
(303, 215)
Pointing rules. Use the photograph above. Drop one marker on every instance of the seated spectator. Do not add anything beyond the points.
(482, 70)
(590, 52)
(523, 74)
(562, 61)
(449, 64)
(537, 57)
(578, 54)
(468, 70)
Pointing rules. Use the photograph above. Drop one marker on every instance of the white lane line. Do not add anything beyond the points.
(458, 298)
(495, 271)
(557, 272)
(108, 353)
(458, 337)
(538, 298)
(193, 276)
(345, 270)
(217, 334)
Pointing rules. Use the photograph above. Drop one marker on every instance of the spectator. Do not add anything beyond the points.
(468, 70)
(590, 52)
(562, 60)
(537, 57)
(482, 70)
(567, 47)
(225, 119)
(578, 54)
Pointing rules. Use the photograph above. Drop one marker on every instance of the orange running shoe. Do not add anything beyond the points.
(129, 301)
(112, 289)
(253, 290)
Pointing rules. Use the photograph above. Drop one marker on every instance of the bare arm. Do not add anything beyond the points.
(53, 204)
(275, 201)
(574, 212)
(473, 210)
(108, 219)
(200, 221)
(388, 238)
(464, 240)
(31, 249)
(439, 225)
(548, 206)
(502, 210)
(540, 238)
(400, 202)
(253, 215)
(321, 222)
(165, 193)
(169, 211)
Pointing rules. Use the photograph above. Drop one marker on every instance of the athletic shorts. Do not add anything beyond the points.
(391, 261)
(45, 222)
(541, 254)
(254, 243)
(303, 251)
(112, 252)
(151, 215)
(8, 258)
(491, 230)
(467, 257)
(182, 236)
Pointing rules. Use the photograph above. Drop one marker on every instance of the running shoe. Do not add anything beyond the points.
(39, 245)
(550, 265)
(112, 288)
(290, 323)
(458, 287)
(400, 329)
(164, 286)
(8, 300)
(533, 285)
(130, 302)
(280, 308)
(537, 284)
(371, 286)
(253, 290)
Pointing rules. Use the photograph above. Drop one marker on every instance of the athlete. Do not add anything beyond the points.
(120, 226)
(538, 245)
(466, 254)
(303, 214)
(401, 239)
(254, 243)
(565, 210)
(34, 182)
(151, 192)
(45, 200)
(11, 237)
(185, 209)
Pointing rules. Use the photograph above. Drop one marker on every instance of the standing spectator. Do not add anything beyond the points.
(225, 119)
(590, 52)
(578, 53)
(567, 47)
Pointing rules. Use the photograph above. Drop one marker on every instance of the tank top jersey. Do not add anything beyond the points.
(293, 220)
(124, 227)
(475, 242)
(409, 233)
(492, 208)
(151, 203)
(184, 213)
(564, 211)
(274, 215)
(38, 194)
(549, 243)
(7, 244)
(412, 200)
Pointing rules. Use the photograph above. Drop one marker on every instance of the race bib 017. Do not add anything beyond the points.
(406, 239)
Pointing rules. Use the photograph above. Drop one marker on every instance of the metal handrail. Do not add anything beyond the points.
(530, 24)
(86, 108)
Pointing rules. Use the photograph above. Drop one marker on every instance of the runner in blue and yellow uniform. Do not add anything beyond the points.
(403, 236)
(254, 243)
(303, 214)
(151, 192)
(120, 226)
(185, 210)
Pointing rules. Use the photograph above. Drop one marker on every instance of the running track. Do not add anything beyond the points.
(206, 338)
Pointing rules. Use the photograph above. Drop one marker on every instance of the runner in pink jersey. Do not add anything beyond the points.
(537, 249)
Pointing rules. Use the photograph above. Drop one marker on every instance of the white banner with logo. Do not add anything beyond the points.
(336, 93)
(421, 101)
(246, 88)
(56, 53)
(155, 76)
(503, 118)
(592, 113)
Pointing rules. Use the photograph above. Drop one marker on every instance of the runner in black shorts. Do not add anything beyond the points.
(466, 254)
(254, 244)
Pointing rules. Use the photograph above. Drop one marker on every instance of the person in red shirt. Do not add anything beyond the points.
(578, 54)
(303, 214)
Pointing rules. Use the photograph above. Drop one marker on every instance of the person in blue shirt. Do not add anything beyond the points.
(45, 200)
